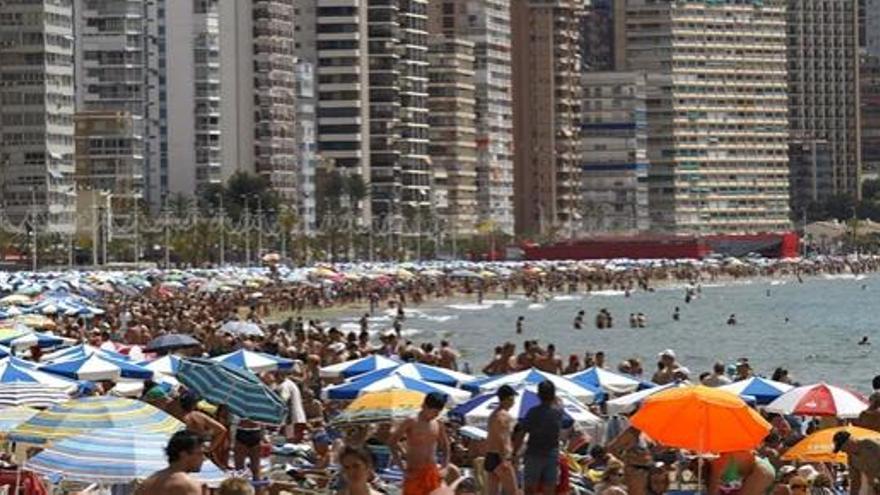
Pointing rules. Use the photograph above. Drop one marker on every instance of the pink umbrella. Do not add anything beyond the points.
(819, 400)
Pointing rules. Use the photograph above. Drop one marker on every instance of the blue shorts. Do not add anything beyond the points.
(541, 469)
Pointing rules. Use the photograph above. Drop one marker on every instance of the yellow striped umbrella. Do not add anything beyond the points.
(819, 446)
(14, 416)
(391, 405)
(93, 413)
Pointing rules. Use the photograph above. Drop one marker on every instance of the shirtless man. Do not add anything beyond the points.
(447, 356)
(422, 433)
(185, 456)
(550, 362)
(499, 446)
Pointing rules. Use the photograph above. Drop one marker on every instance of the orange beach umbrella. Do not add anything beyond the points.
(819, 446)
(701, 419)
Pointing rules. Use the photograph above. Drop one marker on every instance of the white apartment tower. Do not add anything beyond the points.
(717, 112)
(36, 113)
(486, 23)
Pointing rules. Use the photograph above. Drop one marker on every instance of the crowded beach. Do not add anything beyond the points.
(227, 380)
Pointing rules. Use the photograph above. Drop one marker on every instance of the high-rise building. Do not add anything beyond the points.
(546, 114)
(109, 156)
(811, 175)
(36, 113)
(257, 110)
(823, 84)
(869, 82)
(307, 155)
(597, 37)
(717, 113)
(452, 102)
(487, 25)
(614, 150)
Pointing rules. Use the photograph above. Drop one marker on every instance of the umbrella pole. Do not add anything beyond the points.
(17, 478)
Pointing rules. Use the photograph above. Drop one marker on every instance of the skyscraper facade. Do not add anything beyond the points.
(823, 87)
(36, 113)
(546, 114)
(717, 113)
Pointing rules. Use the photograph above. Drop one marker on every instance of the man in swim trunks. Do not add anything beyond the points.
(542, 424)
(499, 446)
(423, 433)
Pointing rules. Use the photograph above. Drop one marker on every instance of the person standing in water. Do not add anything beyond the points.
(519, 324)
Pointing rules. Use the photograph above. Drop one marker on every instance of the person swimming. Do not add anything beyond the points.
(864, 341)
(676, 315)
(579, 320)
(519, 324)
(732, 320)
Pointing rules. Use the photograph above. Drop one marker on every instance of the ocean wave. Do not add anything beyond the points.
(607, 293)
(469, 307)
(440, 318)
(567, 298)
(509, 303)
(536, 306)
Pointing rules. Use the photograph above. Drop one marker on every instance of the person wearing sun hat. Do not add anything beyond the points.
(863, 459)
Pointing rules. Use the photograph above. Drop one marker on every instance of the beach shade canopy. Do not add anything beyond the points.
(390, 405)
(81, 350)
(423, 372)
(97, 367)
(242, 328)
(257, 362)
(819, 446)
(11, 417)
(359, 366)
(477, 410)
(94, 413)
(819, 400)
(701, 419)
(354, 389)
(630, 402)
(12, 371)
(165, 365)
(32, 395)
(238, 389)
(171, 342)
(113, 457)
(584, 393)
(613, 383)
(763, 390)
(23, 336)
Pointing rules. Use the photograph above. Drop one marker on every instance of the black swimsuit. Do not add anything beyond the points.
(492, 461)
(249, 437)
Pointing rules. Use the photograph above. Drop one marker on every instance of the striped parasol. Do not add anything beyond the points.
(240, 390)
(95, 367)
(257, 362)
(111, 457)
(31, 394)
(391, 405)
(14, 370)
(14, 416)
(104, 413)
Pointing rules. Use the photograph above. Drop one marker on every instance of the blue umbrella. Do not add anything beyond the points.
(422, 372)
(357, 367)
(761, 390)
(31, 339)
(238, 389)
(580, 391)
(608, 381)
(111, 457)
(96, 367)
(257, 362)
(353, 389)
(171, 341)
(478, 409)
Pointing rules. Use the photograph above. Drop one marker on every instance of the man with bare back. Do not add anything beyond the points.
(499, 446)
(423, 434)
(185, 455)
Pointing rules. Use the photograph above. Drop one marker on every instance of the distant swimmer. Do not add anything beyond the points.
(768, 292)
(519, 324)
(579, 320)
(676, 315)
(633, 320)
(786, 319)
(864, 287)
(641, 320)
(864, 341)
(732, 320)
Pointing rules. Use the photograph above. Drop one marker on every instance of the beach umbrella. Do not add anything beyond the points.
(763, 390)
(14, 416)
(30, 339)
(819, 400)
(257, 362)
(14, 370)
(97, 367)
(359, 366)
(424, 372)
(464, 274)
(104, 413)
(243, 328)
(585, 393)
(630, 402)
(172, 341)
(478, 409)
(240, 390)
(166, 365)
(702, 419)
(390, 405)
(15, 300)
(32, 394)
(81, 350)
(819, 446)
(356, 388)
(608, 381)
(112, 458)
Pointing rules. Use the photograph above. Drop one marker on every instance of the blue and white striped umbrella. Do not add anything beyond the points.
(31, 339)
(422, 372)
(14, 370)
(477, 410)
(16, 394)
(763, 391)
(357, 367)
(584, 393)
(113, 457)
(257, 362)
(355, 388)
(166, 365)
(613, 383)
(238, 389)
(82, 350)
(629, 402)
(97, 367)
